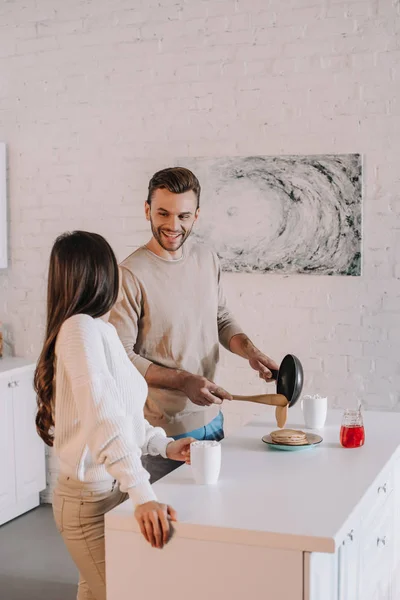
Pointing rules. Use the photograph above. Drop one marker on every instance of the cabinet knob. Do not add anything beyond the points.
(382, 489)
(350, 535)
(381, 541)
(13, 384)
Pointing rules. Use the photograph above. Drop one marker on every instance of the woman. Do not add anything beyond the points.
(90, 405)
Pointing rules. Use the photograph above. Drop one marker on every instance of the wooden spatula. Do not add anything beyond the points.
(268, 399)
(278, 400)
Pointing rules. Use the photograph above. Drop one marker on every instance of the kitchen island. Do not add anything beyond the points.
(316, 524)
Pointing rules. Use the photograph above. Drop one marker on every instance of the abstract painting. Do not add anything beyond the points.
(281, 214)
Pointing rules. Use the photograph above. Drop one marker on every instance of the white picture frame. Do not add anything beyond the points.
(3, 207)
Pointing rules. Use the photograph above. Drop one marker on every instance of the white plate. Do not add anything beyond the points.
(313, 440)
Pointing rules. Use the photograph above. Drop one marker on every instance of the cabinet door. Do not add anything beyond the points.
(348, 567)
(320, 576)
(29, 448)
(397, 515)
(396, 532)
(7, 464)
(396, 583)
(377, 555)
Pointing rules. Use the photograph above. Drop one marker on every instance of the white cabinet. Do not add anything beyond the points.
(22, 469)
(320, 576)
(348, 572)
(377, 554)
(334, 576)
(396, 532)
(396, 550)
(7, 468)
(364, 565)
(29, 449)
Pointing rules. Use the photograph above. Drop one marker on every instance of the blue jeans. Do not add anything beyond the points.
(212, 431)
(159, 467)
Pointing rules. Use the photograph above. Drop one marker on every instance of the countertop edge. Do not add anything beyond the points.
(280, 541)
(13, 365)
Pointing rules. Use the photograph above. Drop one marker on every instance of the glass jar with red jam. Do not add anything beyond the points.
(352, 433)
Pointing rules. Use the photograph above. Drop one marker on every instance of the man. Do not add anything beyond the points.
(173, 316)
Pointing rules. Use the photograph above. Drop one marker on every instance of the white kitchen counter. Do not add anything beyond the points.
(15, 364)
(295, 500)
(292, 502)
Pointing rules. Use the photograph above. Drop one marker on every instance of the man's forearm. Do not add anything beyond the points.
(241, 345)
(163, 377)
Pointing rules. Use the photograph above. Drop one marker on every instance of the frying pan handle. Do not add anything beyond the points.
(274, 373)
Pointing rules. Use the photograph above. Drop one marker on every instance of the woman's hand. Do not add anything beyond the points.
(154, 521)
(180, 449)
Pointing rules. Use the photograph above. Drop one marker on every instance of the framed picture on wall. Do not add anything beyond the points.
(3, 207)
(282, 214)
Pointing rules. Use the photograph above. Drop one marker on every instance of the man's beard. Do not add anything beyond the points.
(163, 241)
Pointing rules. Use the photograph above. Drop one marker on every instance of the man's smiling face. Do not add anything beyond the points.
(172, 217)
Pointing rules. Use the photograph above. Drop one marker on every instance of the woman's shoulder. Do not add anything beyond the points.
(81, 321)
(78, 326)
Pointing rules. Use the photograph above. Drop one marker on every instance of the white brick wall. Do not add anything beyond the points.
(94, 97)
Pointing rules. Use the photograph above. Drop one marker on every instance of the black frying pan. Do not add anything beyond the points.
(289, 378)
(289, 384)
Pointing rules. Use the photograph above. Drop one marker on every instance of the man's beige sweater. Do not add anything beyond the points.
(174, 314)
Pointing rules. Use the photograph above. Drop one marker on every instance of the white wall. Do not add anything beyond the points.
(96, 96)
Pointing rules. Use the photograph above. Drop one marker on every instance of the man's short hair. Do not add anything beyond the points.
(176, 180)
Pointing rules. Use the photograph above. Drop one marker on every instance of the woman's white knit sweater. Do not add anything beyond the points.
(100, 431)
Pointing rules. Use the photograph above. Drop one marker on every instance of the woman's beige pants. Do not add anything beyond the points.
(79, 510)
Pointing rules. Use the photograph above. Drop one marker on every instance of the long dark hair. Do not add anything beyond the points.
(83, 279)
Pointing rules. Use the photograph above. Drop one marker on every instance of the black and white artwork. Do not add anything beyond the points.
(281, 214)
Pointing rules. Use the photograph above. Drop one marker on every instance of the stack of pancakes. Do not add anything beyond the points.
(289, 437)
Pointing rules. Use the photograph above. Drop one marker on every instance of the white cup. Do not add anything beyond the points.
(205, 458)
(314, 411)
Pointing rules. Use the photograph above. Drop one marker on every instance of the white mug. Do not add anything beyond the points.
(205, 458)
(314, 411)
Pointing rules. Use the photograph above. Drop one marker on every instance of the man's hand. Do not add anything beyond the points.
(154, 521)
(241, 345)
(203, 392)
(263, 364)
(180, 449)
